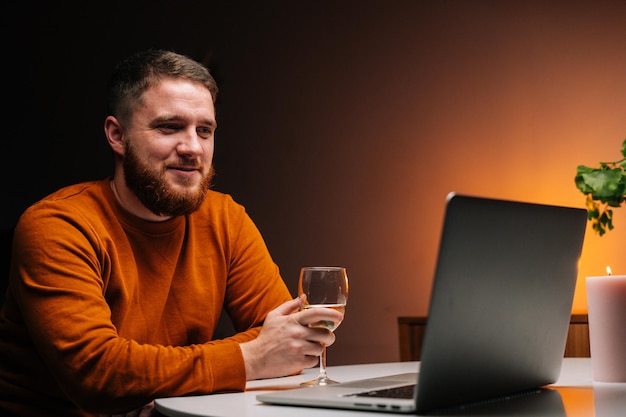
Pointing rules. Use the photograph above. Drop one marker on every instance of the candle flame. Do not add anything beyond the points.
(608, 270)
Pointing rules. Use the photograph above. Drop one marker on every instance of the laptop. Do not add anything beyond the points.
(498, 316)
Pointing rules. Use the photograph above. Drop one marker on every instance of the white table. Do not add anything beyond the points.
(580, 395)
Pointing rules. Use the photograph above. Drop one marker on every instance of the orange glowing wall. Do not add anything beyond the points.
(380, 111)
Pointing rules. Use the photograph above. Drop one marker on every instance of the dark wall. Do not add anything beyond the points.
(265, 57)
(56, 64)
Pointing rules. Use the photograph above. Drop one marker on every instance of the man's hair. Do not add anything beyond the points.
(133, 76)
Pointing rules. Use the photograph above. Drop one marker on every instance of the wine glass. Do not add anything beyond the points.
(324, 286)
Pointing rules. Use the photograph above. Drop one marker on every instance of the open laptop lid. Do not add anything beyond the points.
(501, 299)
(499, 310)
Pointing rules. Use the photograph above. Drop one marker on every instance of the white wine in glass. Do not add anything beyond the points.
(324, 286)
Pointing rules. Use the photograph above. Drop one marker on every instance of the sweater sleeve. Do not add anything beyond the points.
(255, 285)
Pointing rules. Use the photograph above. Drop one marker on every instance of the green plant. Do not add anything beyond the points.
(605, 188)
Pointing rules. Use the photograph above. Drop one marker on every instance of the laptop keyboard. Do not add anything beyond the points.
(405, 391)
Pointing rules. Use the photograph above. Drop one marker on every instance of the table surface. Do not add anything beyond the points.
(580, 395)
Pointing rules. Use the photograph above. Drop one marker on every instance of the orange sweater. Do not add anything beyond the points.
(106, 312)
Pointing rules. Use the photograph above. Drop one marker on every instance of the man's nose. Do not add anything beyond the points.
(189, 143)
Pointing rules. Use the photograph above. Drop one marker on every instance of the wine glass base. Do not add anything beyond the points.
(318, 382)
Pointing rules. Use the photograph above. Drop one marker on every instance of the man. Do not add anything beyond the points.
(117, 285)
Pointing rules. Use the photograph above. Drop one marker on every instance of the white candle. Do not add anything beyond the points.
(606, 304)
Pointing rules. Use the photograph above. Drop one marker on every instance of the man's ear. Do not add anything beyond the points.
(115, 134)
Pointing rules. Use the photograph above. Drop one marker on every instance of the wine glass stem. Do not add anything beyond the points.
(322, 374)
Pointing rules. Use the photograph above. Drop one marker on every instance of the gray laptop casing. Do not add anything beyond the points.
(499, 310)
(501, 300)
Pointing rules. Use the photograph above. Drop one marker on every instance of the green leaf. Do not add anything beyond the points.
(604, 183)
(580, 179)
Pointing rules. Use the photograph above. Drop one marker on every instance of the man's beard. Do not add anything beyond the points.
(153, 191)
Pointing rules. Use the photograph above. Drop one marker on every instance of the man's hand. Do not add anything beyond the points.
(286, 343)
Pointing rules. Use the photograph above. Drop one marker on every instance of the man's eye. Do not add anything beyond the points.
(169, 128)
(204, 132)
